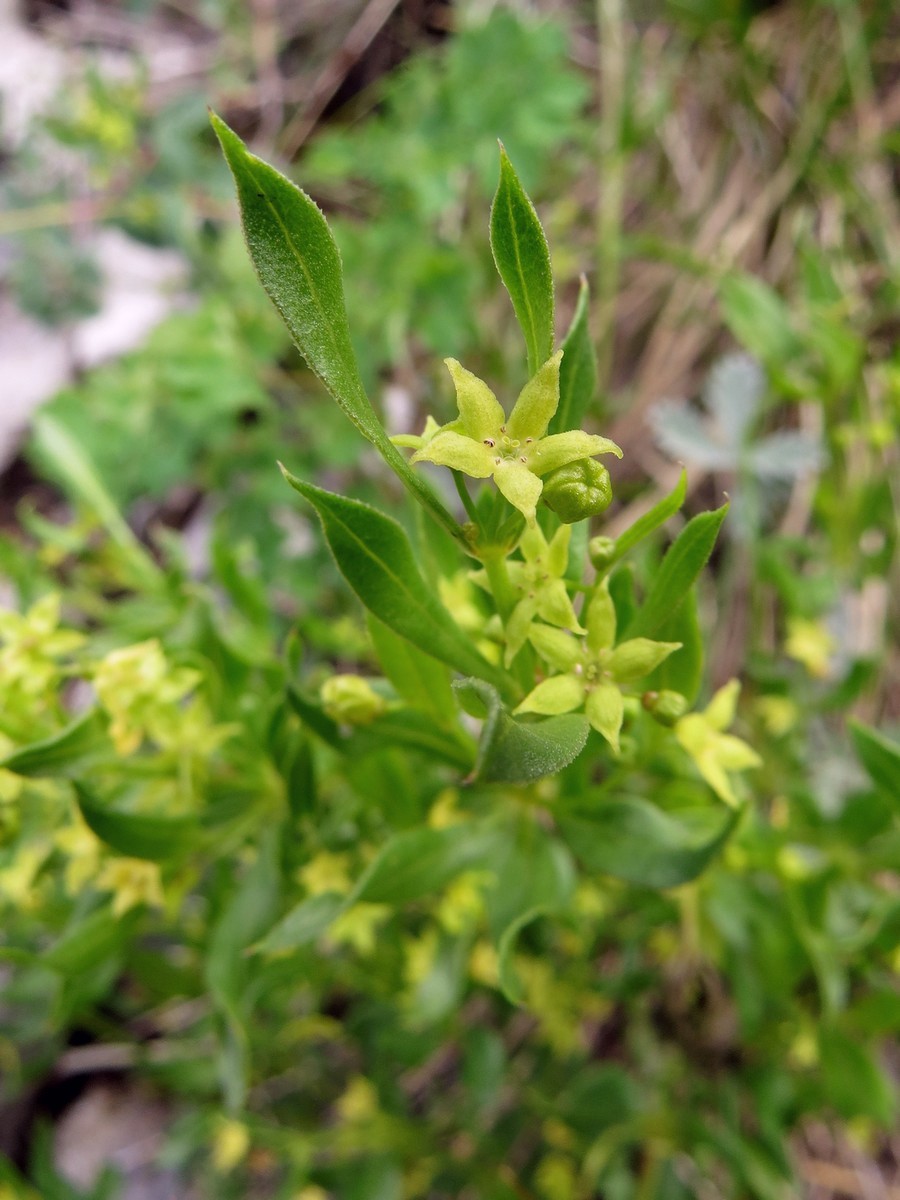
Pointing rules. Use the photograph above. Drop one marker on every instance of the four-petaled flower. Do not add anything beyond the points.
(714, 751)
(593, 669)
(484, 443)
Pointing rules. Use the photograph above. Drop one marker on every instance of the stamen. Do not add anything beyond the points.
(489, 442)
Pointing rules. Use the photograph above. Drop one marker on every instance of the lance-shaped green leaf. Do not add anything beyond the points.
(656, 516)
(135, 834)
(512, 751)
(374, 555)
(420, 862)
(422, 682)
(683, 670)
(298, 264)
(880, 756)
(523, 260)
(65, 755)
(636, 841)
(578, 370)
(535, 877)
(683, 562)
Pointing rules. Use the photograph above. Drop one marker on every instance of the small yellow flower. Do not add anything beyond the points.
(132, 882)
(810, 643)
(359, 1102)
(515, 451)
(326, 873)
(358, 926)
(593, 669)
(230, 1145)
(715, 752)
(142, 692)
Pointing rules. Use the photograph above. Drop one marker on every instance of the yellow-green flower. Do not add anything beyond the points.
(593, 669)
(514, 451)
(810, 643)
(538, 579)
(715, 752)
(132, 882)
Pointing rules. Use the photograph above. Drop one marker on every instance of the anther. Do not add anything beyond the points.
(489, 442)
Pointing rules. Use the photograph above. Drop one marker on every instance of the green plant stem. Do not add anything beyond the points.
(467, 503)
(612, 62)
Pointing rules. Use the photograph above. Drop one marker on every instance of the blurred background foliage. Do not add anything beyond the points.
(726, 177)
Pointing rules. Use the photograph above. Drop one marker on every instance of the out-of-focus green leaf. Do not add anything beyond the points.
(67, 754)
(136, 834)
(880, 757)
(634, 840)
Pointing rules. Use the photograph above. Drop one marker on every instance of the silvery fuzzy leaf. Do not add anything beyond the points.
(733, 395)
(686, 437)
(786, 455)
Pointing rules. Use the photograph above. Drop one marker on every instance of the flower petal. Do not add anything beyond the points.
(459, 453)
(558, 551)
(719, 713)
(734, 754)
(561, 694)
(555, 607)
(517, 628)
(533, 544)
(518, 485)
(479, 409)
(638, 657)
(714, 773)
(561, 448)
(605, 710)
(600, 620)
(537, 402)
(555, 647)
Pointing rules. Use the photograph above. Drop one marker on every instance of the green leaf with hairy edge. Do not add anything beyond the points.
(636, 841)
(137, 835)
(682, 671)
(419, 862)
(514, 751)
(419, 679)
(75, 749)
(667, 507)
(578, 369)
(298, 264)
(880, 756)
(523, 260)
(374, 555)
(683, 562)
(303, 924)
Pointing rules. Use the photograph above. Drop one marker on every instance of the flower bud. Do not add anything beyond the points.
(351, 700)
(600, 551)
(665, 706)
(577, 490)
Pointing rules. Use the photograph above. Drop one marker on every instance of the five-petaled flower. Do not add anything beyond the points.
(593, 669)
(515, 451)
(715, 752)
